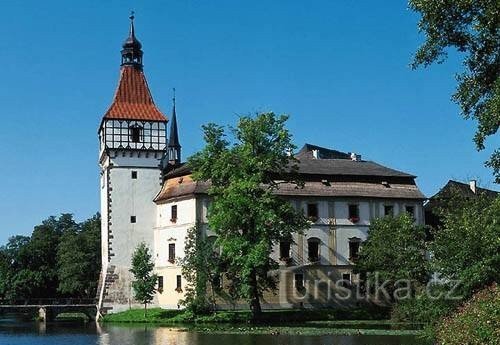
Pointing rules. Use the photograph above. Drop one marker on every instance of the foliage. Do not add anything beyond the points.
(467, 247)
(79, 259)
(30, 267)
(425, 307)
(472, 28)
(394, 250)
(142, 269)
(246, 214)
(200, 267)
(475, 322)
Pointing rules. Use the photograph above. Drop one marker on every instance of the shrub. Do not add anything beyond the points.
(477, 322)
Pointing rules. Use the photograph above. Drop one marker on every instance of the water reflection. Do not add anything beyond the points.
(16, 333)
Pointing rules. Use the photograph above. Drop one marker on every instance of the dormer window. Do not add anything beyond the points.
(135, 133)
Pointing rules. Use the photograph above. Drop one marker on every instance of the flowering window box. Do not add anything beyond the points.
(354, 219)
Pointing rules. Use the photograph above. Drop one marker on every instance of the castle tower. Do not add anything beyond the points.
(132, 138)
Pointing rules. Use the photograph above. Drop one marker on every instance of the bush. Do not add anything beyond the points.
(423, 308)
(475, 322)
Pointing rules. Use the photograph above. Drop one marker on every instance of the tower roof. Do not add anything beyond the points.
(133, 100)
(173, 140)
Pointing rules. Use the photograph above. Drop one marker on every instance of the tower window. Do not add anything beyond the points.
(133, 219)
(171, 253)
(135, 133)
(173, 211)
(134, 175)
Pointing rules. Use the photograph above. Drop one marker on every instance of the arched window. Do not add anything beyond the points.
(313, 249)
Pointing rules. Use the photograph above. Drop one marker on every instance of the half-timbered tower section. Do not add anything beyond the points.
(132, 138)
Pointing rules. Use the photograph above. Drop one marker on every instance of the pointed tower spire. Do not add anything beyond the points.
(174, 147)
(132, 48)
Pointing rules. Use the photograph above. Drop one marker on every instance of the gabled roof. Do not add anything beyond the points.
(332, 162)
(133, 100)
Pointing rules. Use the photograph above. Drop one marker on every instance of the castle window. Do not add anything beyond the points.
(346, 280)
(410, 210)
(354, 213)
(299, 281)
(173, 212)
(312, 212)
(133, 219)
(171, 252)
(354, 244)
(284, 250)
(160, 284)
(134, 175)
(178, 287)
(313, 249)
(388, 210)
(135, 133)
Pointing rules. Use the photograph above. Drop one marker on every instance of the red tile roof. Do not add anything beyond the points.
(133, 100)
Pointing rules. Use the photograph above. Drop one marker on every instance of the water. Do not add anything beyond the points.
(62, 333)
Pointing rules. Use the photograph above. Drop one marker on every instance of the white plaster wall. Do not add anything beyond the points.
(132, 197)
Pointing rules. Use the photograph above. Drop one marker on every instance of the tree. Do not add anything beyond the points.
(394, 250)
(142, 269)
(472, 28)
(246, 214)
(78, 259)
(467, 247)
(201, 268)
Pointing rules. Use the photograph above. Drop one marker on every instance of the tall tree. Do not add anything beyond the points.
(394, 250)
(247, 215)
(473, 28)
(142, 269)
(467, 247)
(78, 259)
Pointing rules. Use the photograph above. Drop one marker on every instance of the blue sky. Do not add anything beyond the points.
(338, 68)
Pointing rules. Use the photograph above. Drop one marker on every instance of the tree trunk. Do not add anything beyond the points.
(145, 309)
(254, 298)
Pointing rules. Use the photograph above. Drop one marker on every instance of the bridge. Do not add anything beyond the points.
(47, 309)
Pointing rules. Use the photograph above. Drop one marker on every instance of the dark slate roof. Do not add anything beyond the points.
(464, 189)
(331, 162)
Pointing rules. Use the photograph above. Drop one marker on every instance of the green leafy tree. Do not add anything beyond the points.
(201, 269)
(467, 246)
(142, 269)
(394, 250)
(472, 28)
(247, 215)
(78, 259)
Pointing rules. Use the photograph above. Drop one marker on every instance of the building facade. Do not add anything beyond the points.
(148, 194)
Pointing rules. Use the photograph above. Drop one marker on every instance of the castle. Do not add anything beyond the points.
(148, 194)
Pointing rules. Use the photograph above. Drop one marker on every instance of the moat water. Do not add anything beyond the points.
(64, 333)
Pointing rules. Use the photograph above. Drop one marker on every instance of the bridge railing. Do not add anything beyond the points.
(49, 301)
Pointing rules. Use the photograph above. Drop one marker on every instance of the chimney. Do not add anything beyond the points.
(472, 185)
(355, 157)
(315, 154)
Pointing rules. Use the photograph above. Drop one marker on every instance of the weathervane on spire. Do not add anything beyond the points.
(132, 15)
